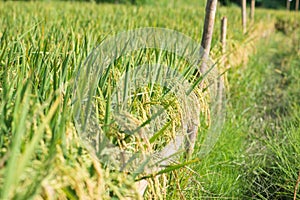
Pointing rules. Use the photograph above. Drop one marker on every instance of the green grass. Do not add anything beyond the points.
(257, 154)
(42, 46)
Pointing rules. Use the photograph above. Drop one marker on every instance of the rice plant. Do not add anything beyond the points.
(43, 46)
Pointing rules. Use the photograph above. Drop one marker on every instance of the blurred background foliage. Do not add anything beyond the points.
(274, 4)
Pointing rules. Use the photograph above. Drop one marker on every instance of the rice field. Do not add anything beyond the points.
(44, 50)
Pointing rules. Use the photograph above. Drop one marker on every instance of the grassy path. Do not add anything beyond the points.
(274, 134)
(258, 154)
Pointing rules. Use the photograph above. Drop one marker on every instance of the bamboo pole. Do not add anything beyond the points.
(296, 187)
(252, 12)
(223, 34)
(244, 15)
(288, 5)
(221, 81)
(211, 8)
(208, 28)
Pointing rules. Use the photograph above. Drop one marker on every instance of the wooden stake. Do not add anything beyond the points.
(252, 12)
(288, 5)
(296, 187)
(297, 6)
(244, 16)
(211, 8)
(223, 41)
(221, 82)
(208, 28)
(223, 34)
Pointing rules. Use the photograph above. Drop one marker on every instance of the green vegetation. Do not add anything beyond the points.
(258, 154)
(43, 44)
(274, 4)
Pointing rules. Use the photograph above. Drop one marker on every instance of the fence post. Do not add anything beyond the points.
(297, 6)
(288, 5)
(223, 39)
(221, 79)
(252, 11)
(244, 16)
(211, 8)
